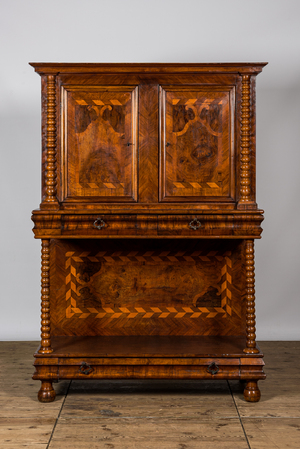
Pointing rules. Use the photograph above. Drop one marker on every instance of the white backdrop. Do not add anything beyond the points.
(152, 31)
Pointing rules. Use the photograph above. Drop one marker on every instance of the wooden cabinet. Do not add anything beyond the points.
(147, 221)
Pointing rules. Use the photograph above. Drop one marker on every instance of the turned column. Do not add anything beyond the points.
(245, 197)
(50, 199)
(251, 391)
(45, 284)
(250, 300)
(46, 392)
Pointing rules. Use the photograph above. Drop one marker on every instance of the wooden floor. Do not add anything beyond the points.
(150, 414)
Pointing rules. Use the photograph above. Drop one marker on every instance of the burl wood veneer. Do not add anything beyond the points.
(147, 221)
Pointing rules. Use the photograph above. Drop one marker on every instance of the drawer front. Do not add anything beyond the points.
(109, 225)
(145, 368)
(195, 226)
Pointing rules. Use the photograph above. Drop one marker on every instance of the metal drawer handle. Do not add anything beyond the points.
(99, 223)
(195, 224)
(213, 368)
(85, 368)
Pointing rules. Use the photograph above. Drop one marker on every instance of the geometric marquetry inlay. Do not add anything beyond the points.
(100, 142)
(84, 271)
(196, 142)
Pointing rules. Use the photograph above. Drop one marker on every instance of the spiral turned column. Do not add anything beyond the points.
(45, 284)
(50, 200)
(250, 298)
(245, 200)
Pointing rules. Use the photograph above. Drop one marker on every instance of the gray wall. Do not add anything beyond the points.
(152, 31)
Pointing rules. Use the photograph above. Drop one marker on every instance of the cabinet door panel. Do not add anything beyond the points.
(100, 143)
(196, 151)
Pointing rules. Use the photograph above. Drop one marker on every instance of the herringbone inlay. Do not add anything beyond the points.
(74, 284)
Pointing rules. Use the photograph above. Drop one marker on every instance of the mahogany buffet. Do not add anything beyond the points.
(147, 223)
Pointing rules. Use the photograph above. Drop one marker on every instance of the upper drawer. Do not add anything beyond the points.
(109, 225)
(195, 226)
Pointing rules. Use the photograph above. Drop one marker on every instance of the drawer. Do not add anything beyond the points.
(195, 225)
(147, 368)
(109, 225)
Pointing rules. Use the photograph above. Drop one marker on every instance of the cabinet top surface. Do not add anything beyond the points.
(231, 67)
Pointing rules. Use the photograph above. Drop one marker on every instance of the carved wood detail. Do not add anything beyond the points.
(252, 392)
(47, 392)
(250, 298)
(245, 201)
(50, 200)
(45, 284)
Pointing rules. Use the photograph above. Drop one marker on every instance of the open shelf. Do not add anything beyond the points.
(149, 346)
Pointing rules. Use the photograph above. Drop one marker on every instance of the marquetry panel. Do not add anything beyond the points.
(196, 143)
(99, 140)
(171, 289)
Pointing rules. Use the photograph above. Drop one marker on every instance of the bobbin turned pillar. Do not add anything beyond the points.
(46, 393)
(246, 201)
(45, 306)
(251, 391)
(50, 200)
(250, 300)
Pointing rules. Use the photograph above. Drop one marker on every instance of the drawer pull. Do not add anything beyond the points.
(85, 368)
(213, 368)
(195, 224)
(99, 223)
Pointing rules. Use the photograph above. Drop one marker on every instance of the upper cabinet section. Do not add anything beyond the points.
(148, 136)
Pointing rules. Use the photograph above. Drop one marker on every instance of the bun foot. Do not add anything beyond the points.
(47, 392)
(251, 391)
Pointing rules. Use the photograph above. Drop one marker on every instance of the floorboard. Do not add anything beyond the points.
(132, 414)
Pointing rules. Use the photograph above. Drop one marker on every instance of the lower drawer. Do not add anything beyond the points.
(141, 369)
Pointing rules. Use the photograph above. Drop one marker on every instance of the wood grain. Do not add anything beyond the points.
(255, 67)
(138, 287)
(147, 222)
(129, 225)
(197, 154)
(45, 306)
(273, 422)
(250, 298)
(50, 200)
(171, 433)
(100, 142)
(272, 433)
(148, 143)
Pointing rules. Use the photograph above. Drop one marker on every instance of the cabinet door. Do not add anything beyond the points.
(99, 140)
(196, 143)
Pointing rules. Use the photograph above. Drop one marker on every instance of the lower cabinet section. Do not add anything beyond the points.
(148, 308)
